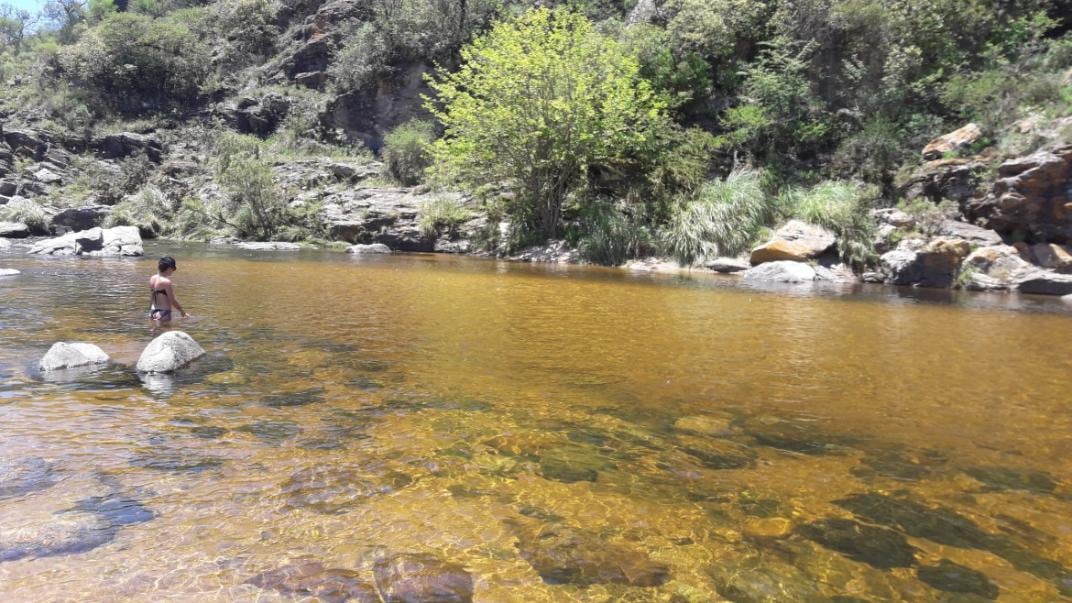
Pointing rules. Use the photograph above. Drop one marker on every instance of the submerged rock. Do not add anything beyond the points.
(1008, 478)
(878, 547)
(570, 464)
(69, 355)
(955, 578)
(176, 461)
(169, 352)
(311, 578)
(794, 435)
(288, 399)
(272, 432)
(563, 555)
(413, 578)
(333, 489)
(66, 533)
(761, 581)
(25, 475)
(717, 453)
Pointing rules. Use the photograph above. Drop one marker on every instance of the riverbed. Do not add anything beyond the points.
(531, 433)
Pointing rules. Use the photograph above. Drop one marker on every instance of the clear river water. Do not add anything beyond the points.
(367, 428)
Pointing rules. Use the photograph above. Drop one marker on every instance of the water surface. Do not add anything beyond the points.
(563, 434)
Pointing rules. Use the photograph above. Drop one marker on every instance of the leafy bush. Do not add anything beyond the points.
(539, 102)
(149, 210)
(724, 218)
(843, 208)
(254, 206)
(609, 233)
(132, 63)
(443, 214)
(407, 151)
(27, 212)
(928, 216)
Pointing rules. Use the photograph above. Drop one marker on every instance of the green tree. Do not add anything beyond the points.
(540, 103)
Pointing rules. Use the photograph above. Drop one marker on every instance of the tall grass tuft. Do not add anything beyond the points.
(843, 208)
(609, 234)
(442, 215)
(407, 151)
(724, 218)
(149, 210)
(27, 212)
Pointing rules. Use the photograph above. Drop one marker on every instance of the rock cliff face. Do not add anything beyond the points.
(1031, 199)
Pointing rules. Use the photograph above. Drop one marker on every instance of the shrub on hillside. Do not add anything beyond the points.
(407, 151)
(443, 215)
(254, 206)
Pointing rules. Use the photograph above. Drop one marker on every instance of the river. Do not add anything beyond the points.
(546, 433)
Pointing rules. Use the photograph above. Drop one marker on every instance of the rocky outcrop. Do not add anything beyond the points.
(168, 352)
(70, 355)
(80, 218)
(389, 216)
(14, 230)
(554, 252)
(1031, 198)
(955, 179)
(780, 272)
(373, 249)
(796, 242)
(118, 241)
(994, 268)
(952, 142)
(1046, 283)
(367, 115)
(260, 116)
(125, 144)
(934, 264)
(1053, 257)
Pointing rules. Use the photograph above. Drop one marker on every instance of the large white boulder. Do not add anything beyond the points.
(169, 352)
(781, 272)
(69, 355)
(121, 240)
(8, 272)
(368, 249)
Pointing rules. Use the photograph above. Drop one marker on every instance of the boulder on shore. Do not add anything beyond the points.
(995, 267)
(14, 230)
(69, 355)
(168, 352)
(1046, 283)
(97, 242)
(780, 272)
(727, 265)
(80, 218)
(796, 242)
(936, 264)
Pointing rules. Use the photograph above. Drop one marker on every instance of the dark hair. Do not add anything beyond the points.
(166, 262)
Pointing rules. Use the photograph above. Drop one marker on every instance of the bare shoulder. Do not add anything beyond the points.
(160, 282)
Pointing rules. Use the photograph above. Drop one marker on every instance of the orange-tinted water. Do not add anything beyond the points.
(562, 434)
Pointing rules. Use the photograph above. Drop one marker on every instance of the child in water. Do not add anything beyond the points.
(163, 292)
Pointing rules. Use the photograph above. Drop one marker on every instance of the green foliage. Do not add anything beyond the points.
(132, 63)
(27, 212)
(110, 185)
(724, 218)
(407, 151)
(254, 206)
(610, 233)
(443, 215)
(248, 30)
(149, 210)
(539, 103)
(928, 216)
(843, 208)
(683, 74)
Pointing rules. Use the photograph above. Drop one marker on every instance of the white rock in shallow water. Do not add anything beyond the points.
(168, 352)
(69, 355)
(268, 246)
(366, 249)
(782, 271)
(8, 272)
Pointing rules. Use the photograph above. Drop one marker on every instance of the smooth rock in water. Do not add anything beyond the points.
(796, 242)
(14, 230)
(703, 425)
(268, 246)
(66, 533)
(422, 578)
(780, 272)
(334, 489)
(952, 141)
(878, 547)
(1046, 283)
(69, 355)
(761, 581)
(717, 453)
(118, 241)
(368, 249)
(8, 271)
(311, 578)
(727, 265)
(563, 555)
(955, 578)
(169, 352)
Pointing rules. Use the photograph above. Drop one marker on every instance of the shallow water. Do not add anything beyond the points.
(563, 434)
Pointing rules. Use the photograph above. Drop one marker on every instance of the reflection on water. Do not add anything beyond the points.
(426, 428)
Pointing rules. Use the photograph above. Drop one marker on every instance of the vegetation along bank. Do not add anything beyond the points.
(912, 142)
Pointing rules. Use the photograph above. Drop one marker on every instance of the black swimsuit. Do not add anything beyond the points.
(158, 313)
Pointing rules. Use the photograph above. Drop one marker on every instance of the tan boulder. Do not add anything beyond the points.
(1055, 257)
(952, 141)
(795, 242)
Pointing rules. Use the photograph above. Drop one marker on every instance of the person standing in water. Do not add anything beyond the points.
(163, 292)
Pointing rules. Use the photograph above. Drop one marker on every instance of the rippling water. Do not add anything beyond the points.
(557, 434)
